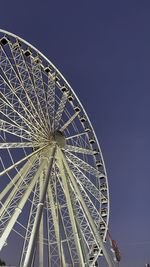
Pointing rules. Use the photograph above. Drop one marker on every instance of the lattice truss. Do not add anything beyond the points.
(54, 193)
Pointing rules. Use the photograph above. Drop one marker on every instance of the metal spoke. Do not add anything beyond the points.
(76, 135)
(22, 160)
(60, 110)
(86, 182)
(25, 76)
(33, 209)
(86, 211)
(17, 211)
(18, 102)
(51, 99)
(54, 213)
(31, 245)
(83, 226)
(15, 195)
(38, 87)
(71, 119)
(26, 122)
(19, 145)
(14, 130)
(41, 227)
(71, 212)
(12, 79)
(77, 149)
(8, 69)
(15, 182)
(83, 165)
(65, 220)
(48, 211)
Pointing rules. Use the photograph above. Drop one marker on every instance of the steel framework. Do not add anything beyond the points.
(54, 196)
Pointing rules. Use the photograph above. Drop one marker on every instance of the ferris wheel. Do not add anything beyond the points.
(54, 198)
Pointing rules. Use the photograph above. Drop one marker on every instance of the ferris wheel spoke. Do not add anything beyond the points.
(71, 119)
(8, 69)
(11, 79)
(53, 252)
(41, 227)
(83, 222)
(71, 212)
(83, 165)
(18, 145)
(13, 120)
(91, 207)
(42, 95)
(26, 80)
(31, 217)
(13, 128)
(51, 98)
(54, 213)
(54, 257)
(18, 210)
(69, 241)
(65, 220)
(48, 218)
(65, 216)
(86, 211)
(93, 211)
(36, 224)
(76, 135)
(9, 105)
(60, 110)
(77, 149)
(18, 102)
(41, 242)
(22, 160)
(15, 182)
(10, 128)
(38, 88)
(86, 182)
(45, 106)
(85, 231)
(19, 184)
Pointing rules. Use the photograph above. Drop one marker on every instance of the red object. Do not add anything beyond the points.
(115, 248)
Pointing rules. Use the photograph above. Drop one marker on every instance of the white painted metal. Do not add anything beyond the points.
(71, 119)
(20, 161)
(32, 242)
(54, 211)
(16, 186)
(41, 228)
(18, 209)
(79, 150)
(18, 145)
(91, 222)
(60, 110)
(15, 181)
(40, 111)
(65, 183)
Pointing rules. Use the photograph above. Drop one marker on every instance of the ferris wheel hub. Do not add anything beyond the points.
(59, 138)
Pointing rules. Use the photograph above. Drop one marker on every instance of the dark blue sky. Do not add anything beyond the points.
(103, 50)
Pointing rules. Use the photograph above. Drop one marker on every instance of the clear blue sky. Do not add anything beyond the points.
(103, 50)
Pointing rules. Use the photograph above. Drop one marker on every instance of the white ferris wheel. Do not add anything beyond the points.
(54, 198)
